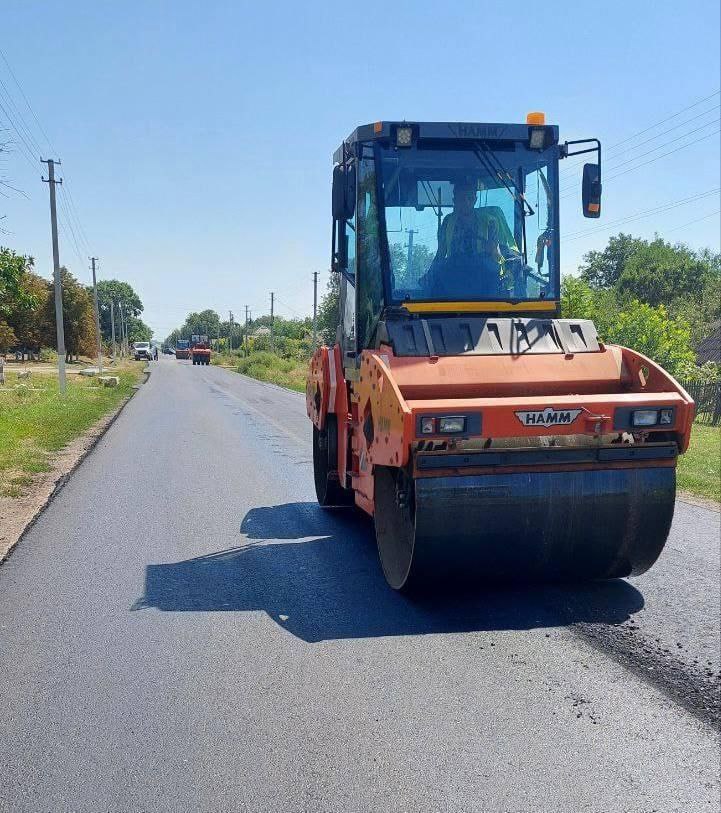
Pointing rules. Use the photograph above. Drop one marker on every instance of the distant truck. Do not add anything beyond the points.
(182, 349)
(199, 349)
(142, 350)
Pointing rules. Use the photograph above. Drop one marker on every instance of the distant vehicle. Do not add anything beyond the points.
(182, 349)
(142, 350)
(199, 349)
(168, 351)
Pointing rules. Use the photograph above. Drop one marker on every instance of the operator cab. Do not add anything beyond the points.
(442, 219)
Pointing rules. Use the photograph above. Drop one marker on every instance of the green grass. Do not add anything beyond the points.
(267, 366)
(699, 470)
(35, 421)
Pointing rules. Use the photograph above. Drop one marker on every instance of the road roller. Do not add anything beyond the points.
(487, 437)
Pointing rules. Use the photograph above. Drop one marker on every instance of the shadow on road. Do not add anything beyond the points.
(325, 582)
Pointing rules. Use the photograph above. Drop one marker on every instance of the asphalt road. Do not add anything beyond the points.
(184, 629)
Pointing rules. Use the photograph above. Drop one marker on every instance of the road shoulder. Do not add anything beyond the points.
(18, 514)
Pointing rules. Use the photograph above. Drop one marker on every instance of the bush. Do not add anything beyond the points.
(654, 333)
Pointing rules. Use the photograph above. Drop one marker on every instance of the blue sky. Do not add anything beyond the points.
(196, 139)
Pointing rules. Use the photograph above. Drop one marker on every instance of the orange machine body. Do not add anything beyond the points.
(379, 405)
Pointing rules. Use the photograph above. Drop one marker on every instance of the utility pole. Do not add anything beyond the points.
(112, 326)
(60, 329)
(123, 333)
(230, 332)
(245, 337)
(272, 299)
(409, 264)
(315, 306)
(93, 260)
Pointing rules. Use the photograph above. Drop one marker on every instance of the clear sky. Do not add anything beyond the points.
(196, 138)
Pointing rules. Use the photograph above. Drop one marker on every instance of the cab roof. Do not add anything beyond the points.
(444, 131)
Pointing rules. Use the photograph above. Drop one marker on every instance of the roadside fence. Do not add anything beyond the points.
(708, 400)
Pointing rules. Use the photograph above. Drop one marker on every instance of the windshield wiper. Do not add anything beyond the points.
(494, 167)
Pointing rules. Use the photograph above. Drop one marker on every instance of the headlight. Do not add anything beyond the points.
(450, 426)
(644, 417)
(666, 417)
(404, 137)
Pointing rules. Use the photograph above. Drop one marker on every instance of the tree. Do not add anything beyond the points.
(329, 311)
(121, 293)
(138, 331)
(577, 299)
(30, 319)
(602, 269)
(651, 331)
(78, 318)
(660, 274)
(206, 323)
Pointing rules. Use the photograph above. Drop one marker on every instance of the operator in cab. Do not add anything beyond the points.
(476, 250)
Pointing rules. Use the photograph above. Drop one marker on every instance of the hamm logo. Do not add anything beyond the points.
(548, 417)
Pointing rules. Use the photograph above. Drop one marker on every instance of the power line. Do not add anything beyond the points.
(28, 150)
(659, 147)
(640, 215)
(650, 161)
(669, 130)
(648, 129)
(691, 222)
(67, 197)
(22, 93)
(13, 107)
(68, 223)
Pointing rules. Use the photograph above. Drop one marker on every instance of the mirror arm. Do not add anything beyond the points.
(566, 153)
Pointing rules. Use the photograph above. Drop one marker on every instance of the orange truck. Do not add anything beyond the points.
(488, 437)
(199, 349)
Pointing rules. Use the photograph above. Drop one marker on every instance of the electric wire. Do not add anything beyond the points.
(650, 161)
(577, 235)
(27, 102)
(654, 149)
(607, 150)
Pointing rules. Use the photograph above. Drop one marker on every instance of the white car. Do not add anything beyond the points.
(143, 350)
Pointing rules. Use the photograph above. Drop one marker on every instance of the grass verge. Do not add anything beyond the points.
(267, 366)
(35, 421)
(699, 470)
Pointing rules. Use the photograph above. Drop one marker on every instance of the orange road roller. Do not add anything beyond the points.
(489, 438)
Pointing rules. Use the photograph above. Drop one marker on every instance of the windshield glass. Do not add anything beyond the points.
(470, 224)
(182, 344)
(141, 345)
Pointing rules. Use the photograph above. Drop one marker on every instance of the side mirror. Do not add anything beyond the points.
(343, 192)
(591, 190)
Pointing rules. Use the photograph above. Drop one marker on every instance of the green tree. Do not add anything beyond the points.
(577, 299)
(121, 293)
(13, 296)
(29, 319)
(660, 274)
(138, 331)
(602, 269)
(78, 318)
(329, 311)
(206, 322)
(651, 331)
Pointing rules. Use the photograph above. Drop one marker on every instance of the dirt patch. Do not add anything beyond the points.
(17, 514)
(702, 502)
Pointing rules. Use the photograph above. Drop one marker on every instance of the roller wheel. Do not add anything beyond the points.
(328, 489)
(535, 526)
(395, 524)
